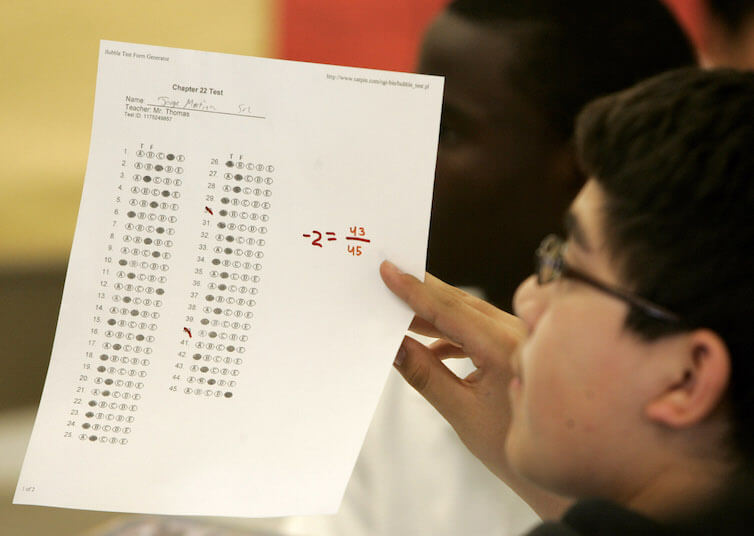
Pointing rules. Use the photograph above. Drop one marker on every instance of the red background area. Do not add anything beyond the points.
(379, 34)
(690, 15)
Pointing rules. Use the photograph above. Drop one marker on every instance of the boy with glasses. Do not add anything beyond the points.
(625, 376)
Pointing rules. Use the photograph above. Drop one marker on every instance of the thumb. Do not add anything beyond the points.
(426, 373)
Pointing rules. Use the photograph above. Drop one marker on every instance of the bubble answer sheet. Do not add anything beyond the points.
(224, 334)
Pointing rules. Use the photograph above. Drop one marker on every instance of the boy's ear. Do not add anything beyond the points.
(699, 386)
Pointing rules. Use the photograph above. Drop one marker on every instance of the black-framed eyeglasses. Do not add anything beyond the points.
(551, 266)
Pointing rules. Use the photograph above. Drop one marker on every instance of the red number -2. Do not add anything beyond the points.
(317, 241)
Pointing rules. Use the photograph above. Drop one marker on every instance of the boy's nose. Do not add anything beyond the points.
(529, 302)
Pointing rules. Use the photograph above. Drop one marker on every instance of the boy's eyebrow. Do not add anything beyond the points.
(576, 231)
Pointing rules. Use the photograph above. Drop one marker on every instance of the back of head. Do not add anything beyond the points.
(673, 155)
(573, 52)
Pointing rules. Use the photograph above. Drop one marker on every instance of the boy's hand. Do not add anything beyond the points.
(477, 407)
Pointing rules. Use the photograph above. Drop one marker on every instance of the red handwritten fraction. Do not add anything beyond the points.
(357, 234)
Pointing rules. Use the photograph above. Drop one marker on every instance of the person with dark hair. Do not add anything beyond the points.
(620, 393)
(728, 33)
(516, 73)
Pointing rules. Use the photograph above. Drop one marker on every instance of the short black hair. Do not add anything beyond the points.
(674, 156)
(732, 13)
(574, 52)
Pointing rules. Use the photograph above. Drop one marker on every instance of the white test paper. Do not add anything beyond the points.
(205, 173)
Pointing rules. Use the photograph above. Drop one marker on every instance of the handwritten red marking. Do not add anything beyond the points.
(357, 238)
(316, 241)
(209, 210)
(187, 330)
(307, 236)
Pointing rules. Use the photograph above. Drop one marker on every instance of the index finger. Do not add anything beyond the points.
(456, 320)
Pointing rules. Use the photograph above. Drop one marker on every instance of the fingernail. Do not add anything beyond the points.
(400, 357)
(393, 267)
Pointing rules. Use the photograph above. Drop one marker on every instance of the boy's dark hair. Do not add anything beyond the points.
(732, 13)
(675, 156)
(569, 53)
